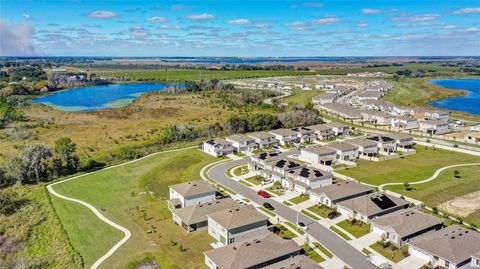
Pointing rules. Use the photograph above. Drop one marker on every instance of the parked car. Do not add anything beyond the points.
(263, 193)
(333, 215)
(268, 206)
(302, 226)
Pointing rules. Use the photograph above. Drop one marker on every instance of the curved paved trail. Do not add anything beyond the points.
(125, 231)
(434, 176)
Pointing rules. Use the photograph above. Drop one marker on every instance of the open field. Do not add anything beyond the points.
(458, 196)
(412, 168)
(121, 195)
(301, 97)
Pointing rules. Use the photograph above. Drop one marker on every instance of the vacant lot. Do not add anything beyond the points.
(412, 168)
(121, 194)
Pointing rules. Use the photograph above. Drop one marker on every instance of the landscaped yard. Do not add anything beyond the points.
(240, 170)
(300, 199)
(276, 189)
(310, 215)
(412, 168)
(285, 233)
(391, 252)
(342, 234)
(323, 249)
(357, 228)
(321, 210)
(121, 195)
(312, 254)
(255, 180)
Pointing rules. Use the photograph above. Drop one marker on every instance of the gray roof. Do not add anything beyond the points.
(297, 262)
(373, 203)
(309, 173)
(320, 127)
(283, 132)
(319, 150)
(342, 146)
(302, 130)
(433, 122)
(362, 142)
(267, 156)
(400, 136)
(343, 190)
(476, 255)
(261, 135)
(285, 164)
(407, 221)
(250, 253)
(218, 141)
(198, 213)
(453, 243)
(366, 94)
(238, 217)
(239, 138)
(193, 188)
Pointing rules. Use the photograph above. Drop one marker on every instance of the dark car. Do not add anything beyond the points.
(333, 215)
(268, 206)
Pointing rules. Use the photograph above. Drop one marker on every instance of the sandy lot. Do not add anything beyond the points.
(463, 205)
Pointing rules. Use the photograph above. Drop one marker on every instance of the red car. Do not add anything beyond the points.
(263, 193)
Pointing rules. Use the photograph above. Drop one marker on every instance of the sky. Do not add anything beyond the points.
(240, 28)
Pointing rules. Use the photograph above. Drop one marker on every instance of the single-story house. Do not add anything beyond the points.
(305, 134)
(345, 151)
(237, 224)
(451, 247)
(433, 127)
(401, 226)
(323, 131)
(194, 217)
(264, 139)
(366, 147)
(297, 262)
(241, 142)
(318, 155)
(190, 193)
(306, 178)
(285, 136)
(404, 122)
(384, 143)
(332, 194)
(257, 252)
(367, 207)
(217, 147)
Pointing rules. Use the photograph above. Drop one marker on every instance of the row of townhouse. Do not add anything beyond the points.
(352, 149)
(449, 247)
(331, 95)
(253, 141)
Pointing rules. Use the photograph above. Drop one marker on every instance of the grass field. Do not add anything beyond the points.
(321, 210)
(299, 199)
(412, 168)
(391, 252)
(120, 194)
(300, 97)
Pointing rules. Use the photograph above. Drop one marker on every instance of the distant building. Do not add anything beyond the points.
(217, 147)
(433, 127)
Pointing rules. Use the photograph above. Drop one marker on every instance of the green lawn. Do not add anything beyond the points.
(357, 229)
(342, 234)
(285, 233)
(321, 210)
(310, 215)
(291, 225)
(312, 254)
(412, 168)
(391, 252)
(323, 249)
(240, 170)
(299, 199)
(255, 180)
(287, 203)
(276, 189)
(120, 194)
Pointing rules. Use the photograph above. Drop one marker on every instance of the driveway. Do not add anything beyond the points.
(331, 241)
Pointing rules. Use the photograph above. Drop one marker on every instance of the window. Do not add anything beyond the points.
(447, 264)
(231, 240)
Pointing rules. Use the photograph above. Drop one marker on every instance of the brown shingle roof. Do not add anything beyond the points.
(253, 252)
(193, 188)
(342, 146)
(319, 150)
(198, 213)
(454, 243)
(362, 142)
(407, 221)
(237, 217)
(297, 262)
(373, 203)
(343, 190)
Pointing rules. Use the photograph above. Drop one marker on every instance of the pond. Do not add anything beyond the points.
(469, 103)
(99, 97)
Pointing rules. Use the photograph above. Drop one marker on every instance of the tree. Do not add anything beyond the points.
(456, 173)
(406, 185)
(34, 158)
(7, 203)
(65, 149)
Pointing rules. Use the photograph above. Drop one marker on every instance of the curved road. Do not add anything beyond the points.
(434, 176)
(329, 239)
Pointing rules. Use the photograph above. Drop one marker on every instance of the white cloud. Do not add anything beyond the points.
(449, 27)
(102, 14)
(239, 21)
(328, 21)
(200, 17)
(362, 24)
(137, 32)
(16, 39)
(298, 26)
(368, 11)
(417, 18)
(468, 10)
(157, 19)
(169, 27)
(312, 4)
(472, 30)
(27, 16)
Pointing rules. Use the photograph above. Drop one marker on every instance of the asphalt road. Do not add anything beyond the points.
(331, 241)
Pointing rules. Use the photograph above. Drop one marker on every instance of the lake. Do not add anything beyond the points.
(99, 97)
(469, 103)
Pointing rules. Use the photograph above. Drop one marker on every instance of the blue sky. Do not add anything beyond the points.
(240, 28)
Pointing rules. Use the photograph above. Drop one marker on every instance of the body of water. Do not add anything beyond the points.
(98, 97)
(469, 103)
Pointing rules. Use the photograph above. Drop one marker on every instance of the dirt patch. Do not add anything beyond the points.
(463, 205)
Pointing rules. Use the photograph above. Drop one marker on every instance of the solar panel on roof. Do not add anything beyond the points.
(383, 202)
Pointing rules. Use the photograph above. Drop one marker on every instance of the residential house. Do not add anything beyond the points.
(332, 194)
(344, 111)
(339, 128)
(365, 208)
(285, 136)
(377, 117)
(306, 178)
(217, 147)
(318, 155)
(439, 115)
(241, 142)
(385, 143)
(402, 141)
(472, 137)
(190, 193)
(433, 127)
(297, 262)
(194, 217)
(277, 170)
(258, 252)
(475, 260)
(323, 98)
(263, 139)
(305, 134)
(345, 151)
(259, 161)
(237, 224)
(404, 122)
(363, 95)
(401, 226)
(451, 247)
(365, 147)
(323, 132)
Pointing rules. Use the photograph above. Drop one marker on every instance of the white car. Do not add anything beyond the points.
(302, 226)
